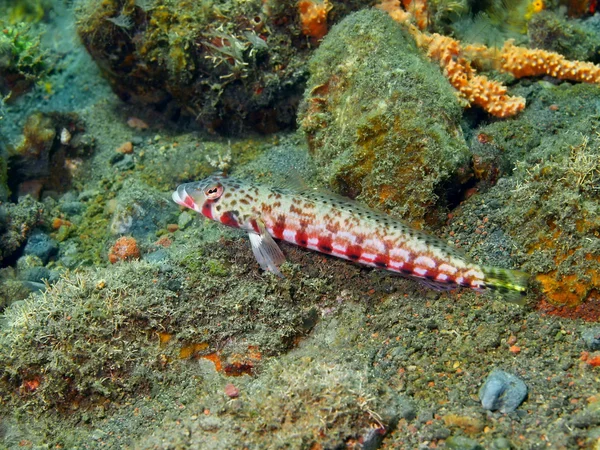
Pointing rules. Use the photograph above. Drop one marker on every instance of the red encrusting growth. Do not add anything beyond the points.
(124, 249)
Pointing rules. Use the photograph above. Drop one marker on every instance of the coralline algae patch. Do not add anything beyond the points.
(573, 288)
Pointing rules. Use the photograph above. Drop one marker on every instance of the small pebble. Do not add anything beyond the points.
(126, 148)
(502, 391)
(462, 443)
(184, 220)
(231, 391)
(591, 338)
(137, 123)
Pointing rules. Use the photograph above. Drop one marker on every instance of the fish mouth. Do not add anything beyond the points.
(177, 195)
(181, 197)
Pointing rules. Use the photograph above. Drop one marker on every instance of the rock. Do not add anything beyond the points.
(72, 208)
(591, 338)
(382, 123)
(462, 443)
(140, 211)
(184, 220)
(41, 245)
(157, 256)
(501, 443)
(502, 391)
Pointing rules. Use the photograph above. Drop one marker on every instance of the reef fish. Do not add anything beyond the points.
(339, 227)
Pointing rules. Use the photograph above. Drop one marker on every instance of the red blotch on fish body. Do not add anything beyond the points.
(353, 252)
(279, 227)
(229, 219)
(189, 202)
(382, 261)
(301, 238)
(206, 208)
(324, 244)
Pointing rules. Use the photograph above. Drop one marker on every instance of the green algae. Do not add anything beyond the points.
(22, 62)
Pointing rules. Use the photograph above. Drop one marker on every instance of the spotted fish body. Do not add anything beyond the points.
(337, 227)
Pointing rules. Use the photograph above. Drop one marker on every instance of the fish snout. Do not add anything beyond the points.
(183, 198)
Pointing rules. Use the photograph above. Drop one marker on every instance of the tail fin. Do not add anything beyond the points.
(511, 284)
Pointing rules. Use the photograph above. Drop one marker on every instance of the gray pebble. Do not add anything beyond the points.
(157, 256)
(591, 338)
(501, 443)
(462, 443)
(72, 208)
(502, 391)
(184, 220)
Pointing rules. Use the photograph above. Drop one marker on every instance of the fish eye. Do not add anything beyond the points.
(214, 192)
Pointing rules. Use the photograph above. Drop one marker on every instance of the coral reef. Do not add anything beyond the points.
(457, 62)
(17, 222)
(230, 66)
(381, 123)
(186, 343)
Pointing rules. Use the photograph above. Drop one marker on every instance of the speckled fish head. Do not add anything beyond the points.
(212, 197)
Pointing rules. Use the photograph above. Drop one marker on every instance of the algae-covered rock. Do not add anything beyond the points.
(229, 65)
(17, 221)
(140, 211)
(382, 123)
(575, 40)
(547, 210)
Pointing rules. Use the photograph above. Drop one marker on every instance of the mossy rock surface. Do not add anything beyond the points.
(382, 122)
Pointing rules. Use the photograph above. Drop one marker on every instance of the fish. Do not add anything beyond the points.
(339, 227)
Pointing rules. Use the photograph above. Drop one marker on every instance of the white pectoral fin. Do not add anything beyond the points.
(266, 251)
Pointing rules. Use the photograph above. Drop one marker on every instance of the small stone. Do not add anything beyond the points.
(157, 256)
(501, 443)
(462, 443)
(184, 220)
(502, 391)
(172, 227)
(137, 123)
(72, 208)
(591, 338)
(231, 391)
(125, 148)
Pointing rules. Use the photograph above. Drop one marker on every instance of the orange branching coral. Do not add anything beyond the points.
(313, 15)
(455, 59)
(418, 9)
(392, 7)
(475, 89)
(526, 62)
